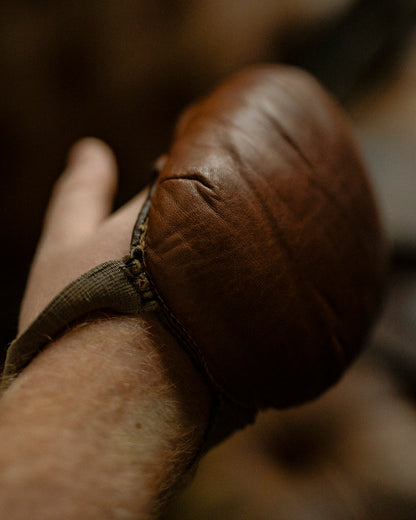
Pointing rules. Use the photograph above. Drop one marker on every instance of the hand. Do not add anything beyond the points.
(79, 232)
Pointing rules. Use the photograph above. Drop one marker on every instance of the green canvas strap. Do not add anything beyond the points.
(117, 285)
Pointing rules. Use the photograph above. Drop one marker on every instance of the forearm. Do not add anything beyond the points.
(63, 454)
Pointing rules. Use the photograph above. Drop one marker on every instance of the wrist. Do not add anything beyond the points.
(116, 402)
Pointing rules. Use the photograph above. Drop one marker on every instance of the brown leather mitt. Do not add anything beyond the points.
(260, 246)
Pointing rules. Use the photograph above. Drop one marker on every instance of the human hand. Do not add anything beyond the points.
(79, 231)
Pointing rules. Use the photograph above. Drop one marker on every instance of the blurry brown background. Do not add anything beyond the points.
(123, 71)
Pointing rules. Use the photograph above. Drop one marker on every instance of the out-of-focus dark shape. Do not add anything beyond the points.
(395, 336)
(385, 121)
(349, 455)
(361, 44)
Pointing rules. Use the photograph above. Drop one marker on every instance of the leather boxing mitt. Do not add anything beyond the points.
(259, 246)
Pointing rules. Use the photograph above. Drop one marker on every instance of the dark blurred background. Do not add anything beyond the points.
(123, 71)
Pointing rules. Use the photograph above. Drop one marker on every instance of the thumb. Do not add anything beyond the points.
(82, 197)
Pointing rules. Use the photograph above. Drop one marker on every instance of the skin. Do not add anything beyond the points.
(107, 421)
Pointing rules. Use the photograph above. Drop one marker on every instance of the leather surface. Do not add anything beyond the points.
(264, 240)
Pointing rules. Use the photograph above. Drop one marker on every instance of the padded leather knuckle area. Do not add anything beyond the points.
(264, 240)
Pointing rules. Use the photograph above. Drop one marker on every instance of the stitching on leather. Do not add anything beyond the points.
(136, 274)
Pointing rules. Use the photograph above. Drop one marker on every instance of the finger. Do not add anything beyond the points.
(83, 195)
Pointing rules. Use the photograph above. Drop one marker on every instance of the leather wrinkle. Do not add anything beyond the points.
(313, 177)
(336, 202)
(194, 176)
(181, 239)
(297, 273)
(202, 185)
